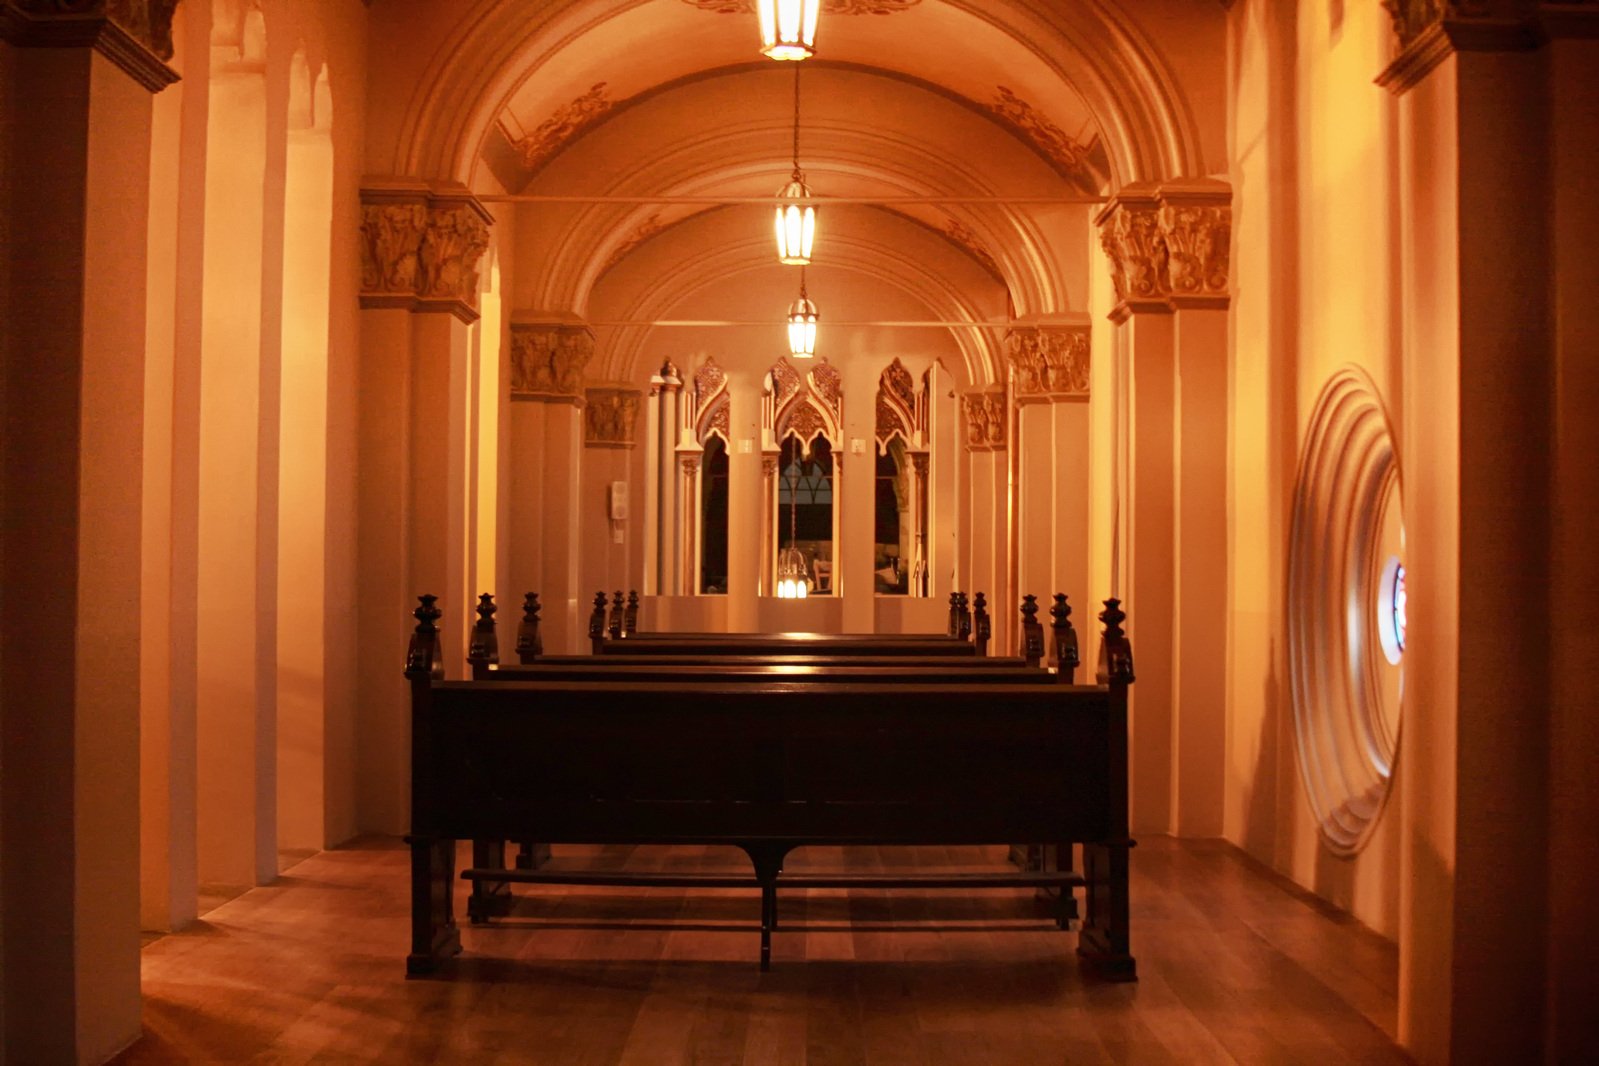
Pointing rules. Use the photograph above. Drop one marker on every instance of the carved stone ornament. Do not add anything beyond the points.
(641, 233)
(140, 42)
(1170, 246)
(1050, 362)
(548, 359)
(609, 417)
(985, 420)
(420, 249)
(963, 235)
(896, 405)
(1052, 142)
(1427, 32)
(557, 131)
(831, 7)
(455, 239)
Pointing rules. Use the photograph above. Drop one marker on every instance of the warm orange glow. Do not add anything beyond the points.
(802, 318)
(788, 28)
(795, 224)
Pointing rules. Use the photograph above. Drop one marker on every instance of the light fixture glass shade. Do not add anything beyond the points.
(796, 223)
(802, 327)
(793, 581)
(788, 27)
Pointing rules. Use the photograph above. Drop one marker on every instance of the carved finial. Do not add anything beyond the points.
(1032, 632)
(630, 614)
(984, 628)
(616, 616)
(483, 650)
(1065, 638)
(965, 630)
(954, 614)
(1115, 651)
(597, 622)
(422, 657)
(529, 643)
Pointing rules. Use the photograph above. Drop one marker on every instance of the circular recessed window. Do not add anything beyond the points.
(1346, 610)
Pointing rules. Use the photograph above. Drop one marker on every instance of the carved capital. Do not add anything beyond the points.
(691, 465)
(985, 419)
(609, 417)
(768, 466)
(1050, 362)
(1428, 31)
(548, 359)
(420, 247)
(136, 35)
(1169, 246)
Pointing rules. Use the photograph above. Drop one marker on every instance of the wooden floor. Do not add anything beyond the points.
(1235, 966)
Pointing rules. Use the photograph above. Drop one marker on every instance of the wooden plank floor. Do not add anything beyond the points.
(1235, 964)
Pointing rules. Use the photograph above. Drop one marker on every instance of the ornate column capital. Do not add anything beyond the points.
(1048, 363)
(548, 359)
(985, 411)
(136, 35)
(1428, 31)
(1169, 245)
(609, 416)
(420, 246)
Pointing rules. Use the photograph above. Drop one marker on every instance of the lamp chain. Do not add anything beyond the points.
(796, 121)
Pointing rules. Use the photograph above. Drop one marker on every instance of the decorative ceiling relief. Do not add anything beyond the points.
(962, 234)
(1050, 362)
(1054, 143)
(985, 419)
(555, 132)
(548, 359)
(609, 415)
(829, 7)
(641, 233)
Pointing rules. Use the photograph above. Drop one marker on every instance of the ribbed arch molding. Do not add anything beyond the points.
(962, 154)
(1097, 59)
(714, 266)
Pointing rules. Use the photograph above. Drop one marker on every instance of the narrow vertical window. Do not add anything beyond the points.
(713, 517)
(805, 508)
(892, 560)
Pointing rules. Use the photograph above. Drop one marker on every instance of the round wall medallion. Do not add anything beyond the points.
(1346, 610)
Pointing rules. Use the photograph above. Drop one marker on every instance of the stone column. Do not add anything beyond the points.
(421, 244)
(1049, 378)
(986, 418)
(1168, 248)
(75, 129)
(548, 358)
(1497, 123)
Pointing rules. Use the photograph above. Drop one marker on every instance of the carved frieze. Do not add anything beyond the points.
(985, 419)
(1049, 361)
(420, 248)
(609, 417)
(569, 120)
(548, 359)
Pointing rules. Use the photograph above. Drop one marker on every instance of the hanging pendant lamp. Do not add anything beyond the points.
(788, 28)
(802, 318)
(793, 579)
(796, 216)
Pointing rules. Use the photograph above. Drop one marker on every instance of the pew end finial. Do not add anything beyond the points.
(954, 614)
(964, 632)
(1064, 638)
(630, 614)
(422, 659)
(529, 641)
(982, 626)
(614, 627)
(483, 649)
(1115, 650)
(1032, 632)
(597, 623)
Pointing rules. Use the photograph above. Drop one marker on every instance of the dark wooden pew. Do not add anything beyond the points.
(792, 764)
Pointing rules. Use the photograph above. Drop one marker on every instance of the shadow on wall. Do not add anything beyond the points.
(1261, 830)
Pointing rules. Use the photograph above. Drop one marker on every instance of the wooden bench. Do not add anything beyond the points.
(769, 766)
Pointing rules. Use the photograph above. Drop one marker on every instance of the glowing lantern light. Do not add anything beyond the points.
(788, 28)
